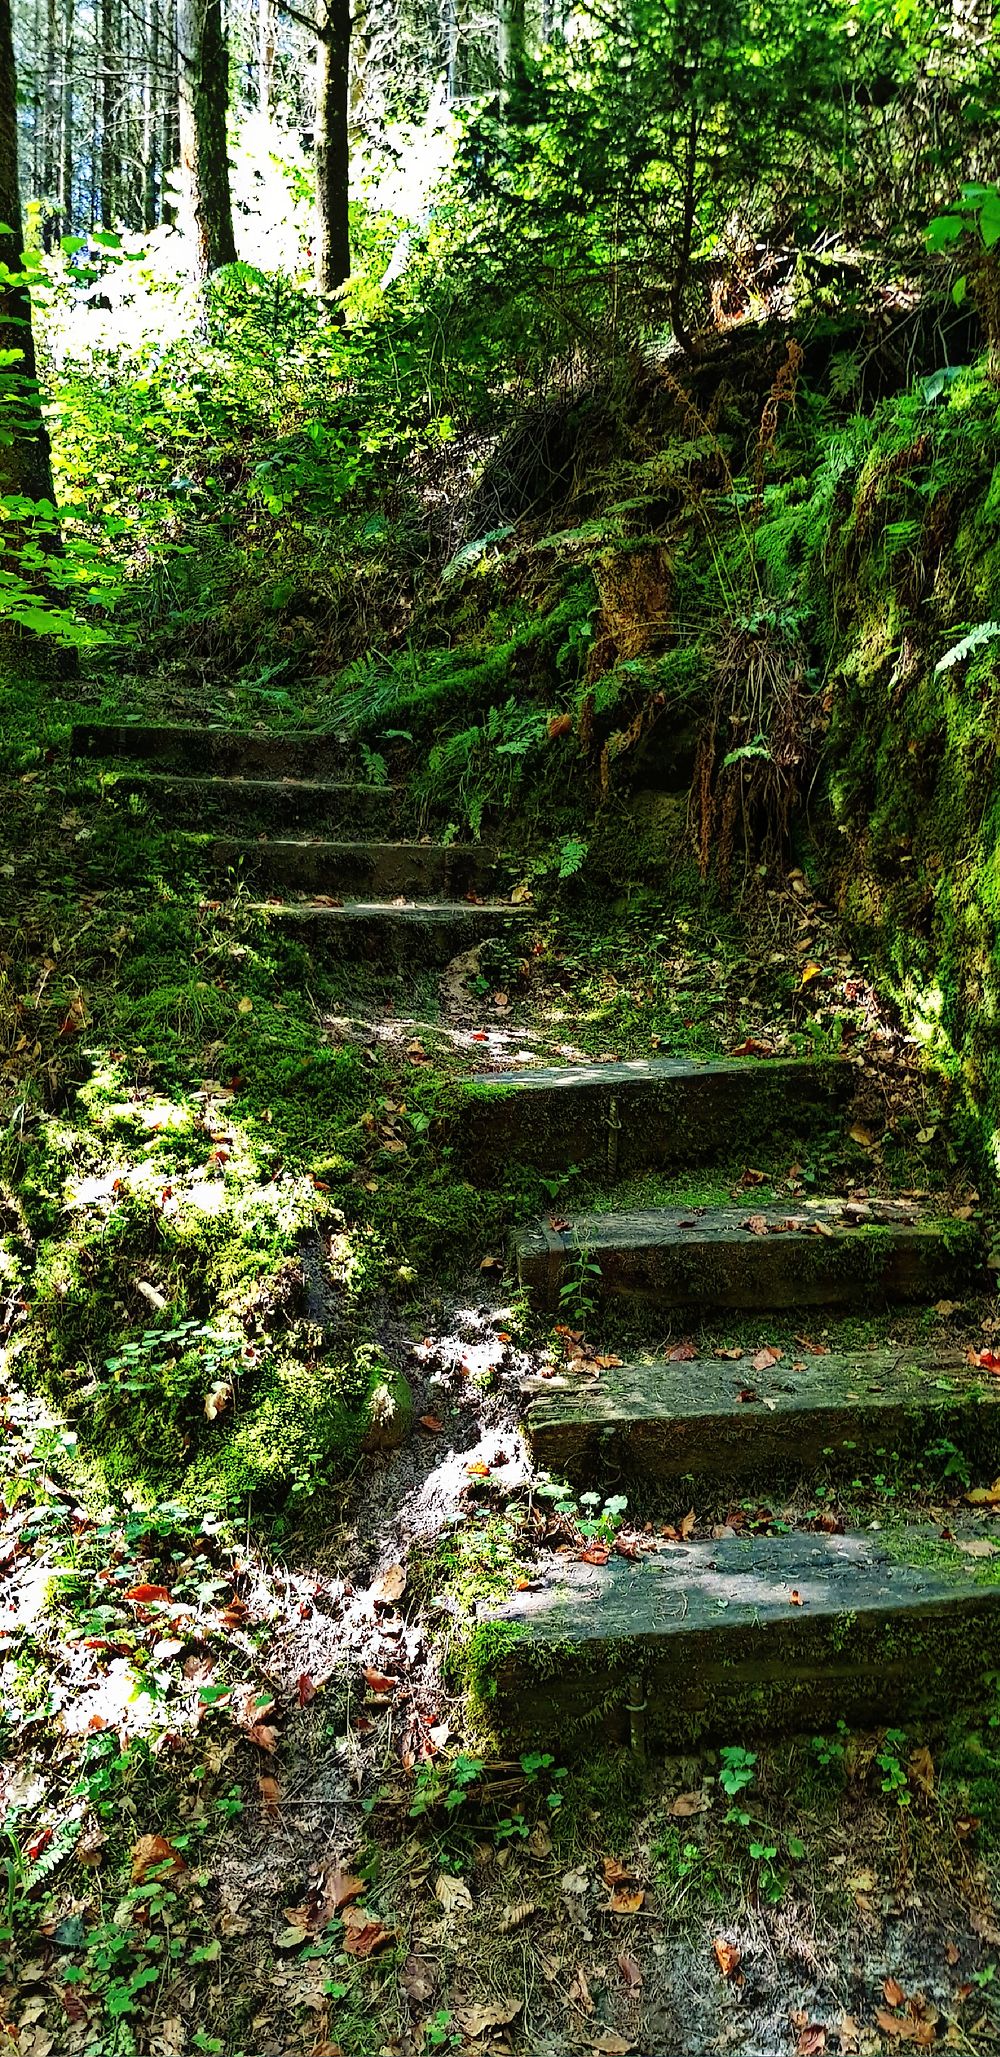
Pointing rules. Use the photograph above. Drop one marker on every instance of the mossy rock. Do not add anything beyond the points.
(389, 1414)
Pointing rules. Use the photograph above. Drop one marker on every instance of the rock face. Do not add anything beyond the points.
(390, 1414)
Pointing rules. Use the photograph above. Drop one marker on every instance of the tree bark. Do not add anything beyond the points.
(25, 463)
(510, 44)
(109, 98)
(332, 255)
(203, 64)
(265, 53)
(150, 121)
(66, 128)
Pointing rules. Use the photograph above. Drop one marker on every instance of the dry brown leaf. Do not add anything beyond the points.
(264, 1737)
(341, 1887)
(893, 1992)
(151, 1851)
(687, 1804)
(615, 1874)
(475, 2021)
(727, 1956)
(363, 1933)
(268, 1790)
(849, 2035)
(765, 1358)
(686, 1527)
(631, 1972)
(626, 1900)
(515, 1917)
(390, 1587)
(453, 1893)
(610, 2044)
(811, 2040)
(902, 2028)
(921, 1769)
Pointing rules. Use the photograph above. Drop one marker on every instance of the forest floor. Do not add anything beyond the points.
(243, 1813)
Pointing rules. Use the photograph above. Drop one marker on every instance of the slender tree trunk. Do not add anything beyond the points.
(170, 148)
(25, 465)
(25, 460)
(204, 100)
(682, 262)
(51, 106)
(332, 262)
(95, 134)
(66, 128)
(150, 121)
(265, 54)
(109, 83)
(510, 45)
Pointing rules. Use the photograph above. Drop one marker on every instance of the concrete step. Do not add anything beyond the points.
(331, 806)
(719, 1420)
(736, 1639)
(418, 936)
(225, 753)
(818, 1253)
(369, 870)
(647, 1112)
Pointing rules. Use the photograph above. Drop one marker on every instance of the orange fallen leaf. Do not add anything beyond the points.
(727, 1956)
(265, 1738)
(363, 1933)
(152, 1851)
(766, 1357)
(431, 1422)
(143, 1594)
(595, 1553)
(894, 1992)
(268, 1790)
(626, 1900)
(342, 1887)
(307, 1690)
(379, 1681)
(391, 1586)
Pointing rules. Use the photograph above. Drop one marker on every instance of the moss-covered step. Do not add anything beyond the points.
(224, 752)
(736, 1639)
(719, 1420)
(821, 1253)
(647, 1112)
(369, 870)
(328, 805)
(420, 936)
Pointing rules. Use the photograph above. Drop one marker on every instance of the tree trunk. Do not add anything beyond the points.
(51, 109)
(265, 54)
(25, 460)
(25, 465)
(170, 146)
(109, 84)
(204, 99)
(66, 129)
(150, 121)
(510, 47)
(332, 257)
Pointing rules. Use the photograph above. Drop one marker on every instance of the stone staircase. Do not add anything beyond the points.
(729, 1638)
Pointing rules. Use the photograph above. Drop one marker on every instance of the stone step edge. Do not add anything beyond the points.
(633, 1244)
(735, 1638)
(721, 1418)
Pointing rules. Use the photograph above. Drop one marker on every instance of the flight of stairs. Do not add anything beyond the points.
(746, 1633)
